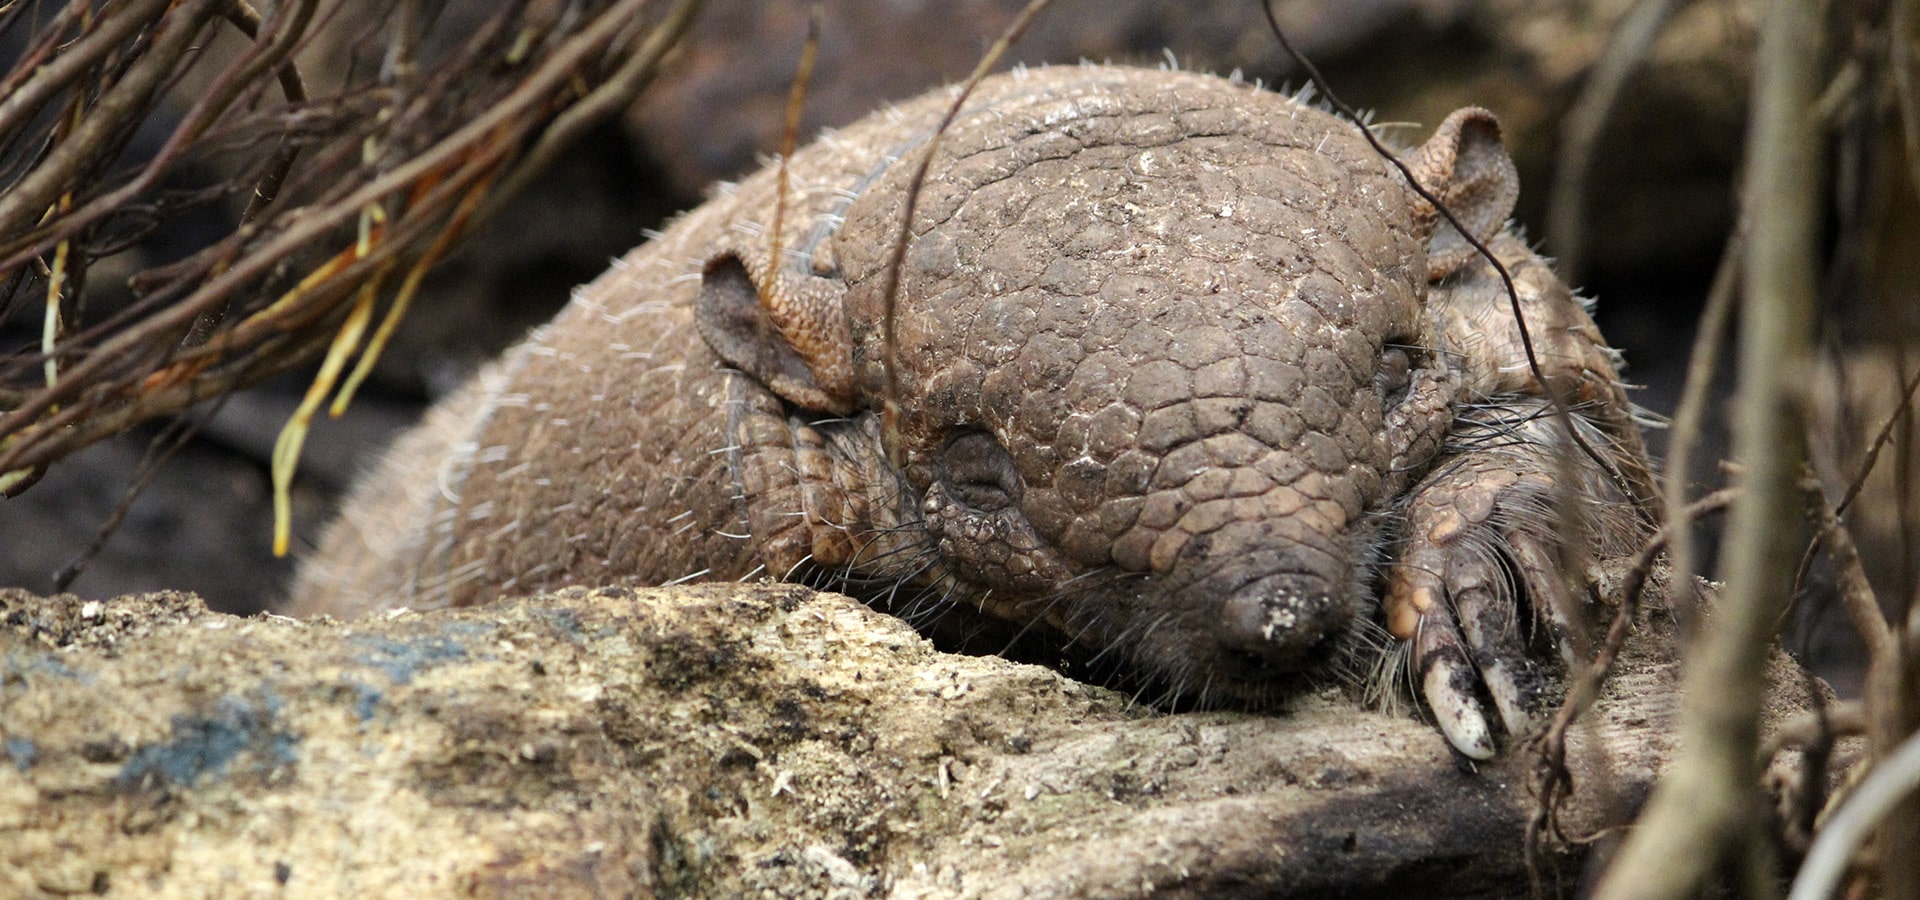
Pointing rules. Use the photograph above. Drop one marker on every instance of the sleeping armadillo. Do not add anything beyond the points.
(1188, 379)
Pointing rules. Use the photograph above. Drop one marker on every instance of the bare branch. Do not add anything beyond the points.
(1856, 595)
(1706, 811)
(26, 201)
(17, 104)
(890, 406)
(429, 150)
(1702, 362)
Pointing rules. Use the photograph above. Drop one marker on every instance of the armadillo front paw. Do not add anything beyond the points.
(1476, 592)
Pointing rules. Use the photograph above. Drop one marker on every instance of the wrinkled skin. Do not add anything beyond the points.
(1190, 382)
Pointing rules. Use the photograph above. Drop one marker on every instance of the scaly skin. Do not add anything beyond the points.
(1179, 380)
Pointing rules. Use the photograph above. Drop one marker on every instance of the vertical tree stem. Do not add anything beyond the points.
(1706, 810)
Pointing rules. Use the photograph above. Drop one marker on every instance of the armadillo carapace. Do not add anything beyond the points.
(1188, 378)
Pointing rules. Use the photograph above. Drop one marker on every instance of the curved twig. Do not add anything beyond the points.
(890, 286)
(18, 103)
(1552, 781)
(23, 203)
(1890, 782)
(1645, 501)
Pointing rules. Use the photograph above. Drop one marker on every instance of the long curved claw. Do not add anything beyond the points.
(1534, 558)
(1460, 590)
(1479, 584)
(1447, 684)
(1420, 612)
(1489, 620)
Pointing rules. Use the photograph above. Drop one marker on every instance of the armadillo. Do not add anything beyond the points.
(1187, 379)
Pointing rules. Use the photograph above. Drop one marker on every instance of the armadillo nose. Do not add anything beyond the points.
(1282, 622)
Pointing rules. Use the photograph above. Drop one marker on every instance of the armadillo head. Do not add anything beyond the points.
(1161, 361)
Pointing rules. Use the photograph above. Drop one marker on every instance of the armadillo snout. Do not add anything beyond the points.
(1282, 623)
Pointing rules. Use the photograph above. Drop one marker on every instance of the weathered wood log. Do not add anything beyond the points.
(724, 741)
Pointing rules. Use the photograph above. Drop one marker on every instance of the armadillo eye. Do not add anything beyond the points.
(979, 473)
(1390, 380)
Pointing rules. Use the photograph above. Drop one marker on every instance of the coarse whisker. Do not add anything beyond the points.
(892, 593)
(1134, 699)
(928, 605)
(1133, 631)
(1170, 692)
(798, 566)
(694, 576)
(1047, 605)
(893, 566)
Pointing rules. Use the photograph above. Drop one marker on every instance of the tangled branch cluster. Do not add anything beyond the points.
(338, 197)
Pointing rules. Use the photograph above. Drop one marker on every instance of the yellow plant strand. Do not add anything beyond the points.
(50, 324)
(456, 225)
(293, 435)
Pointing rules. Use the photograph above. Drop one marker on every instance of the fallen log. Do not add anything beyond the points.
(727, 741)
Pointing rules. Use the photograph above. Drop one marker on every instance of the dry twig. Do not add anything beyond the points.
(890, 287)
(1552, 781)
(399, 163)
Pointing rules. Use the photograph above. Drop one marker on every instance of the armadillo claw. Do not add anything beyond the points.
(1534, 557)
(1458, 664)
(1474, 591)
(1446, 683)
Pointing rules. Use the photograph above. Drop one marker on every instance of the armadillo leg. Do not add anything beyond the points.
(1479, 584)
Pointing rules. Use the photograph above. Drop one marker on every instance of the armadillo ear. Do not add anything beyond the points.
(1466, 166)
(787, 330)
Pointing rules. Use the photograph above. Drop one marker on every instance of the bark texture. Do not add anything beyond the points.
(720, 741)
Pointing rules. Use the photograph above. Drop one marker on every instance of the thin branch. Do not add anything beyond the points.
(198, 119)
(1856, 595)
(1702, 362)
(1552, 780)
(18, 104)
(49, 423)
(1645, 500)
(1902, 412)
(789, 137)
(159, 450)
(1839, 719)
(294, 88)
(890, 286)
(24, 202)
(616, 94)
